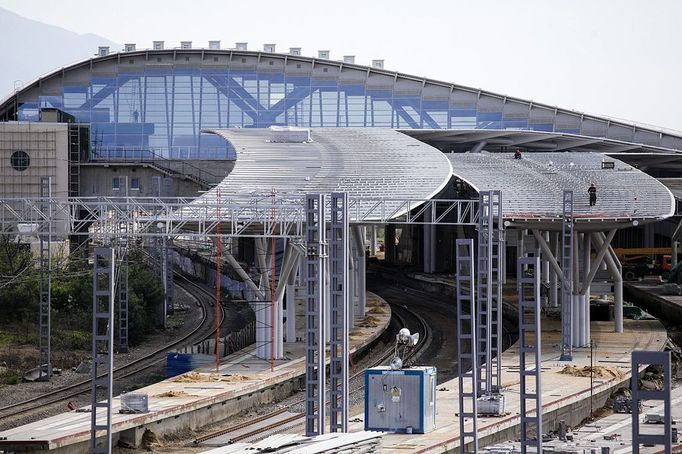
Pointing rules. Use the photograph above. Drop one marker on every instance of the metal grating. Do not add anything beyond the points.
(340, 314)
(528, 284)
(466, 344)
(567, 277)
(315, 376)
(103, 281)
(665, 439)
(45, 302)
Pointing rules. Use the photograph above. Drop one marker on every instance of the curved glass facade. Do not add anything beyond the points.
(161, 108)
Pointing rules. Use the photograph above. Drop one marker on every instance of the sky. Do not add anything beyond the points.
(619, 58)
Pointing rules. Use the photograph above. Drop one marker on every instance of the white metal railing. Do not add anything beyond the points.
(253, 216)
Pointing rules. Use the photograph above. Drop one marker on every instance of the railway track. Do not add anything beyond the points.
(203, 330)
(288, 417)
(431, 314)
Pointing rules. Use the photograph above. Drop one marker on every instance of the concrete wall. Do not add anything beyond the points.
(47, 147)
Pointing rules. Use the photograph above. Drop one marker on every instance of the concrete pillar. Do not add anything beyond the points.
(576, 303)
(545, 264)
(587, 257)
(279, 326)
(361, 264)
(613, 265)
(291, 307)
(553, 278)
(373, 241)
(352, 282)
(429, 265)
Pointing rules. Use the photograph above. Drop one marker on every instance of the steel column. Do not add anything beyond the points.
(45, 302)
(567, 277)
(489, 291)
(315, 376)
(638, 394)
(483, 294)
(528, 284)
(496, 264)
(339, 314)
(466, 344)
(103, 281)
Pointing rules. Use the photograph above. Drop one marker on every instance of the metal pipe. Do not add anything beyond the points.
(548, 252)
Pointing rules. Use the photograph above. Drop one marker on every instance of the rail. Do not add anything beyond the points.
(206, 327)
(173, 165)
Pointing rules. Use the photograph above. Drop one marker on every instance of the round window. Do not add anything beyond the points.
(20, 160)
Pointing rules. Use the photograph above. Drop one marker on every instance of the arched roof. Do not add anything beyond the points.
(532, 188)
(372, 163)
(487, 110)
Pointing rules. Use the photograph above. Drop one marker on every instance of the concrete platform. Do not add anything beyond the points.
(649, 295)
(194, 399)
(564, 396)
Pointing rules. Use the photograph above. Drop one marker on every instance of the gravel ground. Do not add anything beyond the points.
(10, 394)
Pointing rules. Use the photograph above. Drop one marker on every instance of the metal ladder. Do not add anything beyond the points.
(340, 314)
(466, 344)
(567, 277)
(528, 284)
(45, 302)
(315, 374)
(103, 281)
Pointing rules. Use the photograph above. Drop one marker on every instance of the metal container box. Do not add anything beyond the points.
(134, 403)
(400, 400)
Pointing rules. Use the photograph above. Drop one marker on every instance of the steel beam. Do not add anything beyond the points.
(466, 345)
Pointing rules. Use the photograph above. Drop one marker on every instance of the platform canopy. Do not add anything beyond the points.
(372, 163)
(532, 188)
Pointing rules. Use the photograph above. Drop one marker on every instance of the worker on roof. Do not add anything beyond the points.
(517, 154)
(592, 191)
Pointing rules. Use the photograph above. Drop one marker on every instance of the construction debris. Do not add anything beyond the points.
(608, 373)
(197, 377)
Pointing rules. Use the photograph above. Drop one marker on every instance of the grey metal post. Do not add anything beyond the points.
(567, 277)
(338, 345)
(647, 358)
(483, 293)
(103, 281)
(45, 302)
(466, 343)
(528, 284)
(314, 315)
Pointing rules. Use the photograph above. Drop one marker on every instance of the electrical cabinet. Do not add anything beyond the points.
(400, 400)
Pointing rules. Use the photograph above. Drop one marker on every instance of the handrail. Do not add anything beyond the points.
(140, 154)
